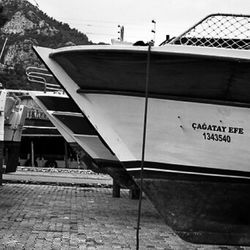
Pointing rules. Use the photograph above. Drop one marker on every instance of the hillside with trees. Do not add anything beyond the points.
(26, 26)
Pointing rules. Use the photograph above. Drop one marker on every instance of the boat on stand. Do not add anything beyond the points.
(196, 168)
(75, 128)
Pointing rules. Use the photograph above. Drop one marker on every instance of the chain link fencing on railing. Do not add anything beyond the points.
(217, 30)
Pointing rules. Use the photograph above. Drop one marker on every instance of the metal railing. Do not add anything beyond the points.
(42, 76)
(217, 30)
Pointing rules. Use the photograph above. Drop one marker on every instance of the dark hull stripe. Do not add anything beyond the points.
(38, 123)
(162, 170)
(59, 103)
(37, 131)
(78, 125)
(196, 177)
(215, 79)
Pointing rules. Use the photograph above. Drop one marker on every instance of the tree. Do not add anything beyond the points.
(3, 17)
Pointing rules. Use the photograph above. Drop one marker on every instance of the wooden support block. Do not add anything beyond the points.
(134, 193)
(116, 189)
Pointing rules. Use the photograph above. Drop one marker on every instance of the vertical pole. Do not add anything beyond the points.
(6, 39)
(32, 154)
(66, 155)
(143, 145)
(1, 163)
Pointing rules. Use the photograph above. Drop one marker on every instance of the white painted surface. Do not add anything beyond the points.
(173, 131)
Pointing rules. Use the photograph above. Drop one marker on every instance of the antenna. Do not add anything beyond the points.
(121, 32)
(153, 31)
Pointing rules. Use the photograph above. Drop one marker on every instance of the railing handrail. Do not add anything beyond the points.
(41, 75)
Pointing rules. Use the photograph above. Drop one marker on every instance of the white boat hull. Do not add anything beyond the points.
(196, 170)
(178, 132)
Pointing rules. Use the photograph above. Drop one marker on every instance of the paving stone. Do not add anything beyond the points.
(51, 217)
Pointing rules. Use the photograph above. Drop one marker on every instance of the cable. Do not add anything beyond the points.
(143, 146)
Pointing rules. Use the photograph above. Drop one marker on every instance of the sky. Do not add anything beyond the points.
(99, 19)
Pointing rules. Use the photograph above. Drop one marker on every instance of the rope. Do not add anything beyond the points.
(143, 146)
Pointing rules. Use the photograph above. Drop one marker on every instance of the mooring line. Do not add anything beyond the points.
(143, 146)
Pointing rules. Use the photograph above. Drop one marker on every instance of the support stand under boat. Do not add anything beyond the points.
(116, 189)
(134, 192)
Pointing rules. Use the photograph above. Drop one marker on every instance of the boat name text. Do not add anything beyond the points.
(217, 128)
(211, 131)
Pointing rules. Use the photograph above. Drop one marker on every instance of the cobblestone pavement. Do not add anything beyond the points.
(67, 217)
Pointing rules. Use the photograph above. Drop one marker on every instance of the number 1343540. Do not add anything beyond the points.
(216, 137)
